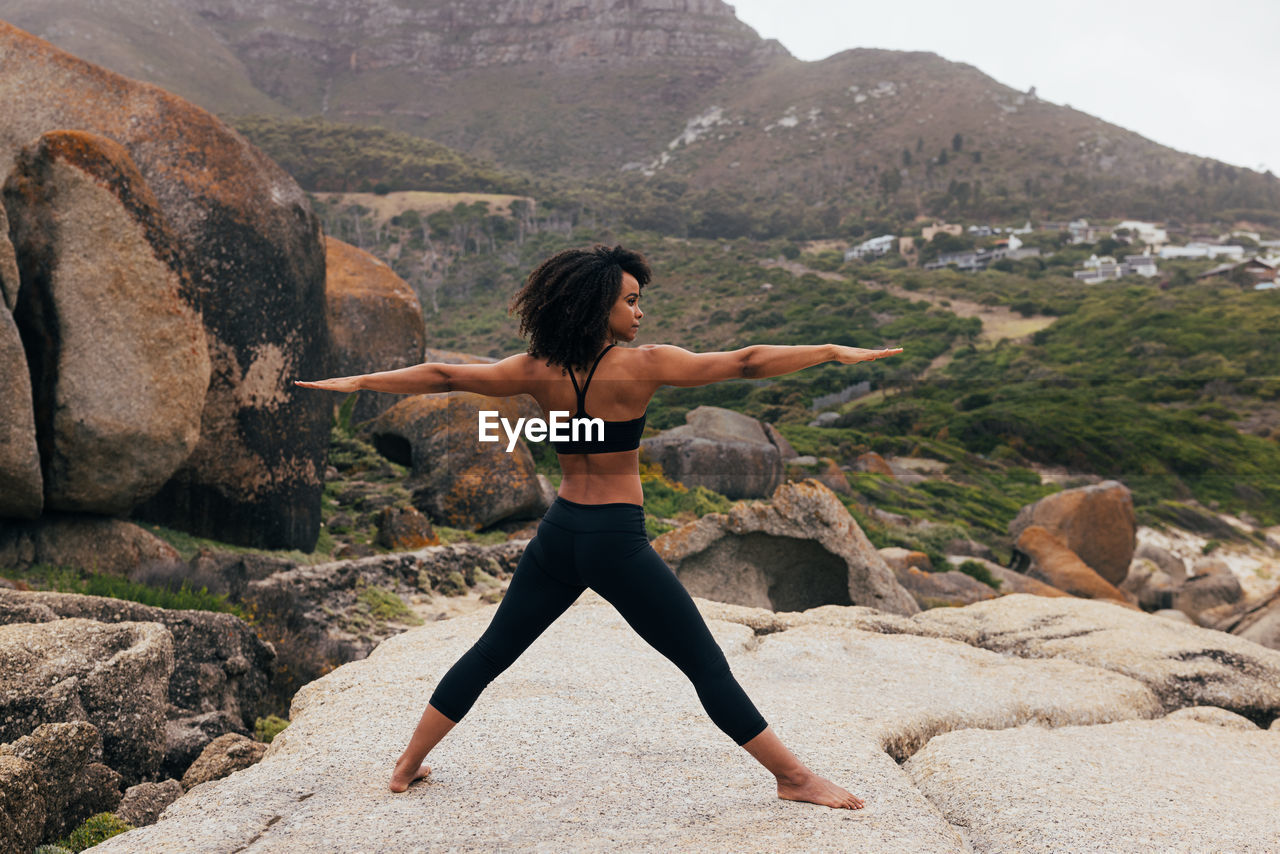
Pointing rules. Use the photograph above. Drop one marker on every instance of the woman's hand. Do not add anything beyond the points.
(343, 384)
(849, 355)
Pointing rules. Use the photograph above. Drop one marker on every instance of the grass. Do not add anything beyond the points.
(62, 579)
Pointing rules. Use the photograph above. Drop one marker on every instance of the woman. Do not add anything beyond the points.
(575, 308)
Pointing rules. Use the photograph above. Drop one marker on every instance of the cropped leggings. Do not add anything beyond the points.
(604, 547)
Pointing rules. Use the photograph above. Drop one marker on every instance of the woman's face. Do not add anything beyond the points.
(624, 317)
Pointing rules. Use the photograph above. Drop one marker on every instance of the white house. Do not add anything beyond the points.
(874, 247)
(1147, 232)
(1203, 250)
(1105, 268)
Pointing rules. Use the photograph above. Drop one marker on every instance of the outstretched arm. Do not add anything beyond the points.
(676, 366)
(499, 379)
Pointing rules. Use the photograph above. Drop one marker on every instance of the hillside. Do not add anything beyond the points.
(679, 105)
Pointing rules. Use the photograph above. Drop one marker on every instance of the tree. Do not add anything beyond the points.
(942, 157)
(906, 157)
(957, 142)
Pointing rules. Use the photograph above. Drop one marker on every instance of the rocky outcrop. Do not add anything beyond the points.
(70, 785)
(720, 449)
(93, 543)
(1260, 623)
(942, 589)
(225, 755)
(220, 665)
(9, 277)
(143, 803)
(116, 677)
(375, 321)
(799, 550)
(1096, 522)
(21, 484)
(1010, 581)
(853, 703)
(254, 261)
(457, 480)
(1058, 566)
(118, 357)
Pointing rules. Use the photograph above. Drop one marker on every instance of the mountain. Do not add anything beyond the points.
(661, 96)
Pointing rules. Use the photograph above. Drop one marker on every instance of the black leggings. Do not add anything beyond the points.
(604, 547)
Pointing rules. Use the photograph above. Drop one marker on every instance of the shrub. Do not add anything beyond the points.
(384, 605)
(974, 569)
(96, 828)
(265, 729)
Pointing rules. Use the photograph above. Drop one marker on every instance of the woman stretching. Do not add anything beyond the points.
(575, 307)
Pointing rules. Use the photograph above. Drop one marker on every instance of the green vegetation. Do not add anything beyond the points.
(666, 499)
(384, 605)
(68, 580)
(96, 828)
(266, 729)
(979, 571)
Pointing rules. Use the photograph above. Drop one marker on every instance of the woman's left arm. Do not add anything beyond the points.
(498, 379)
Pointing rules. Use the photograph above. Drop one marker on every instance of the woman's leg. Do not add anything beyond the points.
(533, 601)
(653, 602)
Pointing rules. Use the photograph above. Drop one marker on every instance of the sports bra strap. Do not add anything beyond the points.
(582, 394)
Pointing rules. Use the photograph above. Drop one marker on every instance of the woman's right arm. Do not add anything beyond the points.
(671, 365)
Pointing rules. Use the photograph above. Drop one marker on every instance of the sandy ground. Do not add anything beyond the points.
(387, 205)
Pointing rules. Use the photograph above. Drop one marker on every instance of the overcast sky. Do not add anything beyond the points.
(1200, 77)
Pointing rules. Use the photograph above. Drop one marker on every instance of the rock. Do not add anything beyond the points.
(825, 470)
(375, 321)
(850, 702)
(15, 609)
(1210, 566)
(405, 529)
(253, 254)
(1096, 522)
(21, 805)
(114, 676)
(1203, 592)
(1146, 581)
(224, 756)
(970, 548)
(229, 573)
(1213, 715)
(71, 785)
(143, 803)
(9, 276)
(825, 419)
(1176, 616)
(720, 449)
(1261, 623)
(942, 589)
(108, 546)
(898, 558)
(21, 483)
(785, 450)
(354, 551)
(799, 550)
(118, 357)
(1057, 565)
(1010, 581)
(1170, 564)
(218, 662)
(1183, 665)
(186, 736)
(458, 481)
(1124, 786)
(872, 463)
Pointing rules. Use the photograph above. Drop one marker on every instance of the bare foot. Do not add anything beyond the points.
(402, 777)
(817, 790)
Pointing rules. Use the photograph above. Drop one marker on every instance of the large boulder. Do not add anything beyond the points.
(799, 550)
(9, 277)
(1096, 522)
(143, 803)
(1057, 565)
(22, 809)
(456, 479)
(252, 251)
(21, 483)
(720, 449)
(219, 663)
(1010, 581)
(116, 677)
(1261, 622)
(109, 546)
(72, 785)
(855, 704)
(225, 755)
(118, 356)
(942, 589)
(375, 321)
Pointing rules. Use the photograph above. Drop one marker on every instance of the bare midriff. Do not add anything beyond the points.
(601, 478)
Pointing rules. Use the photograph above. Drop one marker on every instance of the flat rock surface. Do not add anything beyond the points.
(593, 741)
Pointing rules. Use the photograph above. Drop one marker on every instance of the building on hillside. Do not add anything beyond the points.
(927, 233)
(1203, 250)
(981, 230)
(973, 260)
(872, 248)
(1145, 232)
(907, 249)
(1082, 232)
(1106, 268)
(1255, 270)
(1026, 229)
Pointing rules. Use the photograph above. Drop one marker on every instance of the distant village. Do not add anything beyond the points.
(1246, 256)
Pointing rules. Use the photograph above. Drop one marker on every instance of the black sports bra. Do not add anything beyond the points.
(618, 435)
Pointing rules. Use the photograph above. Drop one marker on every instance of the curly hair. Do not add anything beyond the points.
(565, 303)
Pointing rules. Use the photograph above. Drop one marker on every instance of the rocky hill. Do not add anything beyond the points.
(673, 94)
